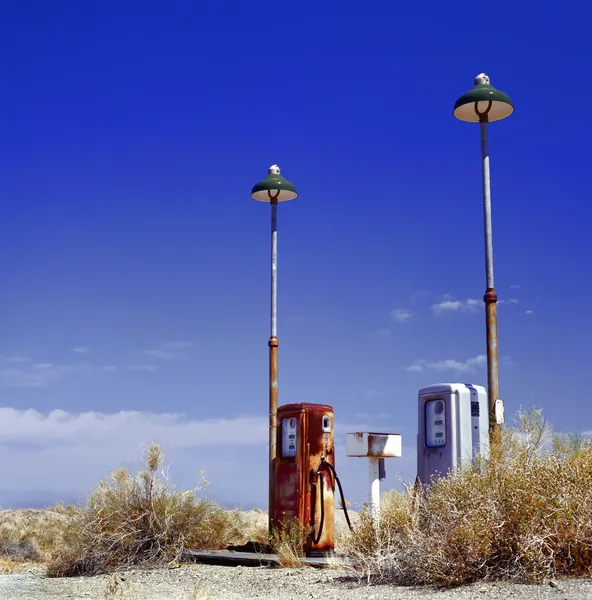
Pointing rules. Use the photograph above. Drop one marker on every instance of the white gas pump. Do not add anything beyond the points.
(452, 428)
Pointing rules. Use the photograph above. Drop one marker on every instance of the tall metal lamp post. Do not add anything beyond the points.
(484, 104)
(273, 189)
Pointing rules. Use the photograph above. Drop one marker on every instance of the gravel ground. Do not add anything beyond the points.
(209, 582)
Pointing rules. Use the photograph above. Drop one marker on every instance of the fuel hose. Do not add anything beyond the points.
(325, 466)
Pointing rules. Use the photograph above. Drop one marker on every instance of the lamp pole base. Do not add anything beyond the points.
(273, 406)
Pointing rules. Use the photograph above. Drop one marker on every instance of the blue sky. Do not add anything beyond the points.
(135, 267)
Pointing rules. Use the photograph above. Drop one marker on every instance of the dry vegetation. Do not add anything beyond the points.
(289, 543)
(140, 520)
(30, 535)
(526, 516)
(129, 519)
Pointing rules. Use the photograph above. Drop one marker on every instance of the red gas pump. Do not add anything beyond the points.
(305, 472)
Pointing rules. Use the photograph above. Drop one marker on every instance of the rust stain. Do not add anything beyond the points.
(377, 446)
(493, 394)
(273, 407)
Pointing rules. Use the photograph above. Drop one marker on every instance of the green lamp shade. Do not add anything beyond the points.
(483, 101)
(274, 186)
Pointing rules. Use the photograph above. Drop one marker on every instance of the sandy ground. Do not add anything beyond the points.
(209, 582)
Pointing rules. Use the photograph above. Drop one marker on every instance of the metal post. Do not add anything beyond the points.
(490, 297)
(273, 364)
(374, 479)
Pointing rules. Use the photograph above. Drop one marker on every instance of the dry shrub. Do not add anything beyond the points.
(139, 520)
(30, 535)
(288, 540)
(525, 516)
(251, 526)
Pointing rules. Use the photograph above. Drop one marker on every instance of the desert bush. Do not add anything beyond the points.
(140, 519)
(29, 535)
(251, 526)
(525, 515)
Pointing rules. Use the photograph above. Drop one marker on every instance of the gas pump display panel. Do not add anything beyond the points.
(289, 426)
(435, 423)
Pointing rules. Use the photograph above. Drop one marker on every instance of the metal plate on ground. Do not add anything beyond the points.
(254, 559)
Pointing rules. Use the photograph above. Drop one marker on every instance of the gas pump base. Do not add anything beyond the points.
(259, 548)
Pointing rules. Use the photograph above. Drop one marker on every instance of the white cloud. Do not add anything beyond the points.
(82, 349)
(44, 374)
(136, 428)
(448, 305)
(381, 333)
(169, 350)
(59, 454)
(473, 305)
(401, 315)
(514, 287)
(529, 312)
(17, 359)
(147, 368)
(34, 375)
(69, 453)
(155, 353)
(448, 365)
(178, 345)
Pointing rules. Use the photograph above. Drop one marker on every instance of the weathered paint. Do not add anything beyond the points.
(297, 493)
(273, 363)
(490, 299)
(273, 406)
(381, 445)
(372, 444)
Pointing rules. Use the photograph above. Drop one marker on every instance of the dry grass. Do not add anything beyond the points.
(30, 536)
(288, 541)
(251, 527)
(526, 516)
(140, 520)
(126, 520)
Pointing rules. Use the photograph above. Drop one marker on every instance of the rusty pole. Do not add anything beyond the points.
(490, 297)
(273, 362)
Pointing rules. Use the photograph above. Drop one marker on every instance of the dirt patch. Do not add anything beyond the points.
(209, 582)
